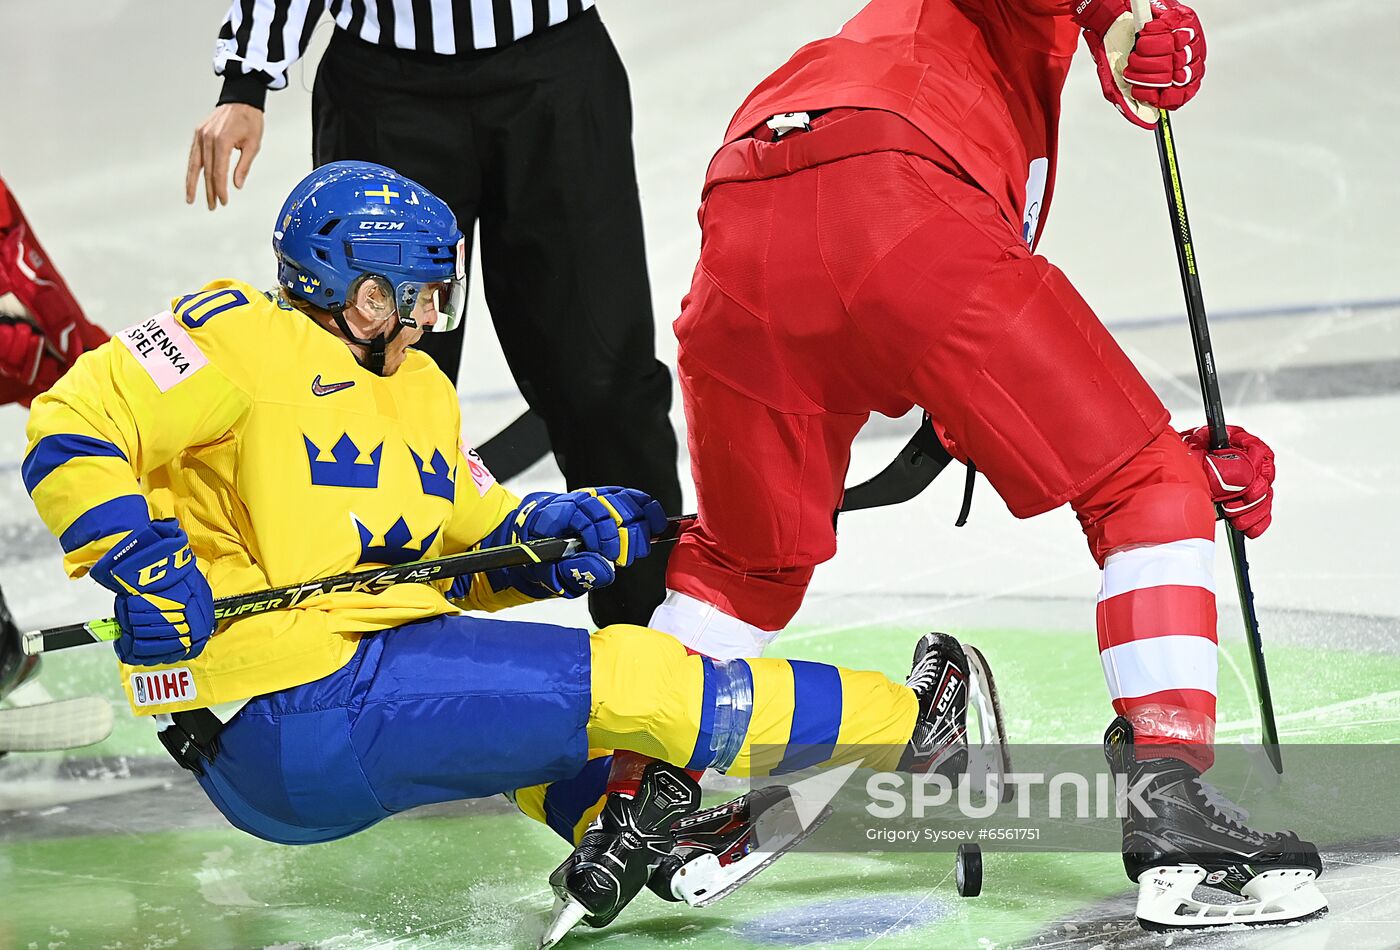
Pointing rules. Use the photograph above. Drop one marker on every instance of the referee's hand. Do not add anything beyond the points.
(230, 126)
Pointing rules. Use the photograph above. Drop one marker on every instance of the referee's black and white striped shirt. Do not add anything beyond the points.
(260, 39)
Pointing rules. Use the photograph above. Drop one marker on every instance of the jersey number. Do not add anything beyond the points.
(195, 310)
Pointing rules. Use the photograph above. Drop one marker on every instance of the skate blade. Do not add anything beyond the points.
(565, 916)
(987, 757)
(1166, 900)
(705, 882)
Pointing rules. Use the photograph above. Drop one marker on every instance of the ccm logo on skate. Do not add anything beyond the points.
(671, 791)
(952, 683)
(163, 686)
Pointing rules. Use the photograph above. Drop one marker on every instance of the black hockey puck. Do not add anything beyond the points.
(969, 870)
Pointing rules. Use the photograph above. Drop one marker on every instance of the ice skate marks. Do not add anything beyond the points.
(870, 917)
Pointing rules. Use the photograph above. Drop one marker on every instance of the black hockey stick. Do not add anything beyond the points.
(371, 581)
(516, 447)
(910, 473)
(913, 469)
(526, 440)
(1210, 393)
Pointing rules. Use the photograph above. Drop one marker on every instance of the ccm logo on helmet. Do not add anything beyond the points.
(381, 225)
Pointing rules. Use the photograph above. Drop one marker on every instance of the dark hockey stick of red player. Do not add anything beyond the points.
(1215, 435)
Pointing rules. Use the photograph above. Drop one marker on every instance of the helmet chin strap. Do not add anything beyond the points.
(374, 359)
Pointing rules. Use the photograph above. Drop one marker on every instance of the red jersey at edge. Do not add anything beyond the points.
(981, 78)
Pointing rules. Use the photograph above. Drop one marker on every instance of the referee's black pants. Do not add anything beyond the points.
(534, 142)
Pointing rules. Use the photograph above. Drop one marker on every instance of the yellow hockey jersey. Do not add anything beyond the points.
(283, 459)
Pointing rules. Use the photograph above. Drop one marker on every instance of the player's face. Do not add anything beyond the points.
(421, 320)
(426, 312)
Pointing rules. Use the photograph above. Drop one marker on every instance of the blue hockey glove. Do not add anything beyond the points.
(614, 527)
(164, 604)
(639, 518)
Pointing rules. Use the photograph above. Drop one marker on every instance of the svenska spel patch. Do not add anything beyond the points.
(481, 475)
(164, 350)
(162, 686)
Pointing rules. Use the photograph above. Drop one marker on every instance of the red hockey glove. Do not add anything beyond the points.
(21, 346)
(1163, 69)
(37, 311)
(1241, 477)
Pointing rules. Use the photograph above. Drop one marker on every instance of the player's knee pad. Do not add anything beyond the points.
(1157, 496)
(636, 670)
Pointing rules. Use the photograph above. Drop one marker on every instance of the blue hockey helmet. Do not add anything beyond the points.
(349, 221)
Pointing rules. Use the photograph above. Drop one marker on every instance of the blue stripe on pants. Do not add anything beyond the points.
(816, 715)
(703, 754)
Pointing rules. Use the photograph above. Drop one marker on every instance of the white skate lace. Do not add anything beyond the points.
(1222, 806)
(921, 678)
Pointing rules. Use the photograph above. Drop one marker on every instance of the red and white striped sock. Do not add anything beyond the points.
(1157, 642)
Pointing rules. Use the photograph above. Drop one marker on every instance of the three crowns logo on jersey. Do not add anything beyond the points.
(437, 477)
(344, 468)
(396, 547)
(348, 465)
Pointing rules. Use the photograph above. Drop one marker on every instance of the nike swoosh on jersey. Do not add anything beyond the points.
(325, 389)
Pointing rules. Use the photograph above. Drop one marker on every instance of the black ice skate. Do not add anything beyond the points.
(720, 849)
(949, 678)
(1197, 837)
(618, 854)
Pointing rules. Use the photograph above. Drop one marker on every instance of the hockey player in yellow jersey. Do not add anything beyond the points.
(243, 439)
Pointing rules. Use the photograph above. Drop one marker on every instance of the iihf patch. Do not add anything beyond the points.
(164, 350)
(162, 686)
(481, 475)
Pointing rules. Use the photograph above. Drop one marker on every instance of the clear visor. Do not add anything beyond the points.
(438, 305)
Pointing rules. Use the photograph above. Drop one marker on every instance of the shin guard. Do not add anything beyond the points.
(1151, 527)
